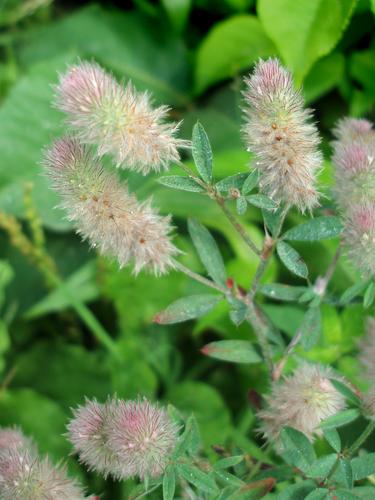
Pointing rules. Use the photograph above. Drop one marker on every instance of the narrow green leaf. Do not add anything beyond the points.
(235, 351)
(278, 291)
(225, 463)
(187, 308)
(341, 418)
(353, 292)
(272, 220)
(369, 296)
(311, 327)
(341, 494)
(297, 491)
(321, 228)
(202, 152)
(363, 466)
(347, 473)
(292, 259)
(182, 183)
(333, 438)
(297, 449)
(241, 205)
(250, 183)
(232, 182)
(262, 201)
(178, 12)
(208, 251)
(322, 466)
(346, 391)
(197, 478)
(169, 483)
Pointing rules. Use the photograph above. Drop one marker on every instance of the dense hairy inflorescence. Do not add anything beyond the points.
(301, 400)
(116, 119)
(367, 350)
(123, 438)
(104, 211)
(279, 131)
(26, 476)
(354, 163)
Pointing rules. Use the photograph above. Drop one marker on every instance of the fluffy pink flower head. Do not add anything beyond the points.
(123, 438)
(354, 162)
(279, 131)
(89, 431)
(301, 400)
(24, 476)
(118, 120)
(104, 211)
(12, 438)
(144, 437)
(359, 236)
(367, 350)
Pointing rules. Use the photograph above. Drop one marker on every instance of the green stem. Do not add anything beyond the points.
(261, 333)
(198, 277)
(362, 438)
(87, 317)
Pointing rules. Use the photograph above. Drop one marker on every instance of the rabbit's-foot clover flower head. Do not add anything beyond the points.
(123, 438)
(89, 431)
(354, 162)
(24, 476)
(367, 349)
(280, 133)
(104, 211)
(12, 438)
(144, 437)
(301, 400)
(359, 236)
(118, 120)
(369, 402)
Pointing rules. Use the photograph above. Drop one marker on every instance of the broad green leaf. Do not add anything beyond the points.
(362, 67)
(369, 296)
(208, 251)
(187, 308)
(181, 182)
(202, 152)
(208, 407)
(232, 182)
(318, 494)
(241, 205)
(39, 417)
(347, 472)
(321, 228)
(311, 327)
(341, 418)
(230, 47)
(178, 12)
(363, 466)
(169, 483)
(353, 292)
(278, 291)
(304, 31)
(149, 54)
(261, 201)
(225, 463)
(292, 259)
(236, 351)
(250, 182)
(322, 466)
(297, 449)
(325, 75)
(346, 391)
(333, 438)
(197, 478)
(341, 494)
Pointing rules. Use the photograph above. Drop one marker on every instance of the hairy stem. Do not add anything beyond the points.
(320, 289)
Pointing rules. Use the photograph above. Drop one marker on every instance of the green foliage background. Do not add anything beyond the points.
(191, 54)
